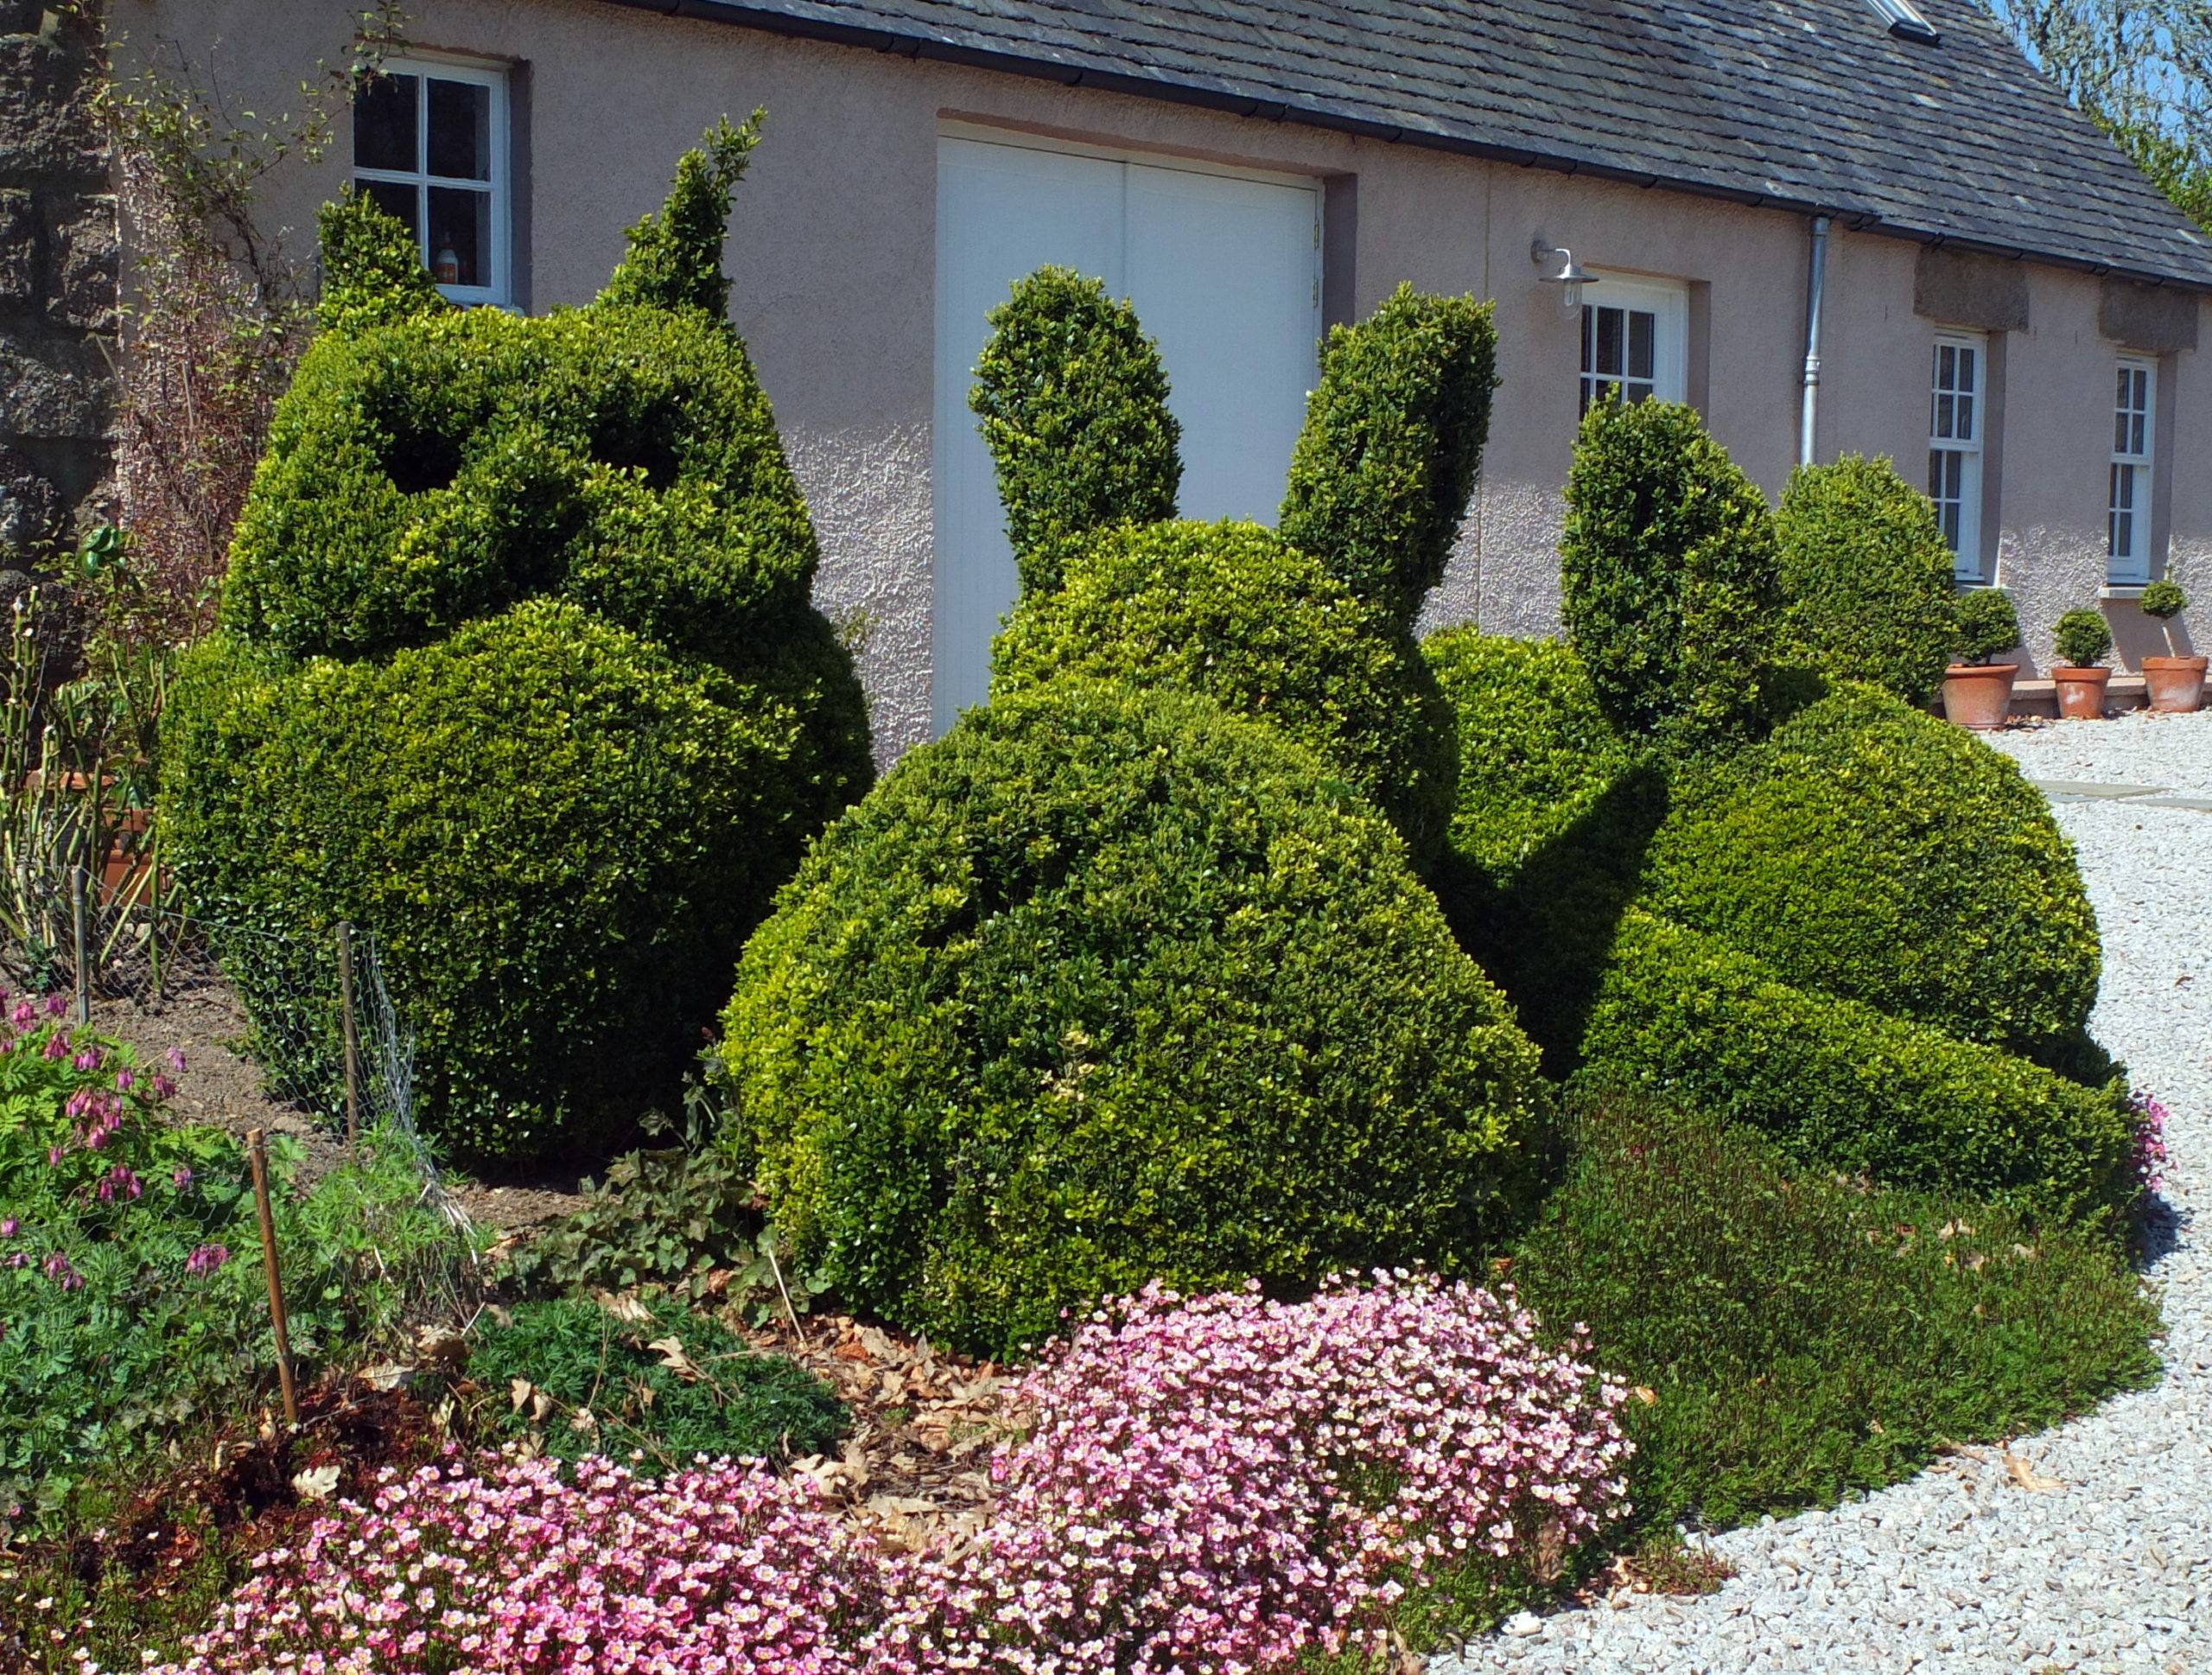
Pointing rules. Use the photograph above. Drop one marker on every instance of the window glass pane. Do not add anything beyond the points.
(2141, 440)
(460, 130)
(2119, 428)
(1589, 336)
(1965, 431)
(1944, 416)
(394, 199)
(1947, 367)
(384, 123)
(1643, 328)
(1967, 379)
(461, 236)
(1609, 341)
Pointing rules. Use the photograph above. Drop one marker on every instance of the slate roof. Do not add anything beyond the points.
(1803, 103)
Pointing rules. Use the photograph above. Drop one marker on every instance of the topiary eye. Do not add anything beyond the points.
(420, 460)
(643, 441)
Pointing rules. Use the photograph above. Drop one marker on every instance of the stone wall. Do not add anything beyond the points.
(58, 268)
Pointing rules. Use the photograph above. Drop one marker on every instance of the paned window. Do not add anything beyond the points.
(1634, 341)
(430, 146)
(1956, 421)
(2128, 506)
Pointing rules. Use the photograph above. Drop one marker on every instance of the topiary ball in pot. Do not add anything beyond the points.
(1865, 850)
(518, 673)
(1107, 986)
(1231, 611)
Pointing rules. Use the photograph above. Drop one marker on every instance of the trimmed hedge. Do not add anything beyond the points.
(372, 269)
(1866, 849)
(557, 832)
(1074, 407)
(673, 257)
(1988, 626)
(1229, 610)
(1667, 577)
(1684, 1015)
(424, 473)
(1867, 577)
(1392, 445)
(1104, 987)
(2083, 638)
(1553, 812)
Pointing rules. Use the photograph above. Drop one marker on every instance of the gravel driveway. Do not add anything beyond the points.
(1962, 1571)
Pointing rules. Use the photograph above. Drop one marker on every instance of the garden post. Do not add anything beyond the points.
(351, 1034)
(257, 1157)
(84, 1012)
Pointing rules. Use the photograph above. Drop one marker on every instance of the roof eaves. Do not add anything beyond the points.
(777, 19)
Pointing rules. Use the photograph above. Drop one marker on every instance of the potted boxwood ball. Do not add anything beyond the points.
(2084, 639)
(2175, 682)
(1977, 692)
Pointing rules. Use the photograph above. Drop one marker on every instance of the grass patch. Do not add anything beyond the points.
(1805, 1337)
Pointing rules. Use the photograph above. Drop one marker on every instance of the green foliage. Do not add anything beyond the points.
(559, 833)
(1104, 987)
(1668, 576)
(131, 1295)
(1835, 1082)
(520, 675)
(1231, 611)
(658, 1379)
(372, 271)
(1807, 1339)
(1547, 834)
(1392, 445)
(1074, 407)
(674, 259)
(2083, 638)
(2163, 599)
(1867, 850)
(1866, 578)
(1987, 624)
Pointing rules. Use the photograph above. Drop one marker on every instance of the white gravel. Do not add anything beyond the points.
(1962, 1571)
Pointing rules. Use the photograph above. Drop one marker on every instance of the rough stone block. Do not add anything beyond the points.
(84, 249)
(1958, 288)
(56, 389)
(18, 246)
(2154, 319)
(30, 510)
(45, 121)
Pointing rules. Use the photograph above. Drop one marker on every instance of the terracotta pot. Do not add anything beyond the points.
(2081, 690)
(2175, 683)
(1978, 694)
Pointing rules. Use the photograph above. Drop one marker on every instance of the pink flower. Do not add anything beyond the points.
(56, 1005)
(58, 1269)
(206, 1260)
(10, 1226)
(181, 1179)
(176, 1059)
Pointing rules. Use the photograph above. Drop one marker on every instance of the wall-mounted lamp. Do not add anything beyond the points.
(1561, 269)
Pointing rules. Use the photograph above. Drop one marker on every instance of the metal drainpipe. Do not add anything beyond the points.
(1815, 287)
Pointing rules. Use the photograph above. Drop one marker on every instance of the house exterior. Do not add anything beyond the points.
(2003, 305)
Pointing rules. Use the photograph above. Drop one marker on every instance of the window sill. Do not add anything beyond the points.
(2129, 591)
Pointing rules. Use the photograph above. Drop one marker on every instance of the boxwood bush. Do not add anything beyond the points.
(1866, 849)
(1806, 1338)
(1685, 1016)
(1392, 445)
(1108, 986)
(518, 672)
(1229, 610)
(1073, 402)
(1553, 810)
(1866, 576)
(1667, 577)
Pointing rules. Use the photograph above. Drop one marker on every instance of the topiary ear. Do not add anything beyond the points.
(372, 271)
(1393, 441)
(1074, 407)
(675, 258)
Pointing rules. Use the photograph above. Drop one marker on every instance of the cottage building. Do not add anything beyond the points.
(1832, 225)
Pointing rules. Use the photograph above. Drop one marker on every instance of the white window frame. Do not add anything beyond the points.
(1958, 425)
(1669, 305)
(2134, 450)
(500, 293)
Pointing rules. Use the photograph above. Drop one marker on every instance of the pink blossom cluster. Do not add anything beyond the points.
(1226, 1483)
(1212, 1487)
(2149, 1125)
(528, 1571)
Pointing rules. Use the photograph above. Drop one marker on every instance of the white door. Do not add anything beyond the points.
(1224, 271)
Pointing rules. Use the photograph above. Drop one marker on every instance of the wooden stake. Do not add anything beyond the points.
(77, 921)
(351, 1034)
(256, 1155)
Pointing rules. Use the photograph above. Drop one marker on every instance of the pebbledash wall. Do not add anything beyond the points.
(833, 256)
(57, 261)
